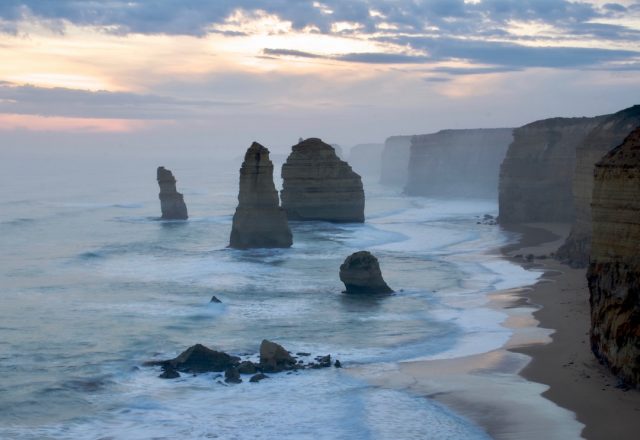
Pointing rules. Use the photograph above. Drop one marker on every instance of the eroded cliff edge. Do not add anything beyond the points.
(536, 176)
(607, 134)
(318, 185)
(259, 222)
(457, 163)
(394, 169)
(614, 270)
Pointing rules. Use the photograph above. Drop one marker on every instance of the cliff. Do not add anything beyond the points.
(395, 161)
(259, 222)
(317, 185)
(171, 201)
(614, 270)
(457, 163)
(536, 176)
(608, 133)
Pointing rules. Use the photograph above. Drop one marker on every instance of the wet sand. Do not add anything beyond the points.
(576, 380)
(544, 383)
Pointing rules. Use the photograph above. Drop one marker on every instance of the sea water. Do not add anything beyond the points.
(93, 284)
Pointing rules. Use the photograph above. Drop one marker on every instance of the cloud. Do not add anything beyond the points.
(359, 57)
(73, 103)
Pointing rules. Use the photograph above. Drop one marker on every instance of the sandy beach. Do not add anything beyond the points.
(544, 383)
(576, 380)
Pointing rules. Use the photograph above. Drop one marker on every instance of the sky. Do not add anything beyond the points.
(217, 75)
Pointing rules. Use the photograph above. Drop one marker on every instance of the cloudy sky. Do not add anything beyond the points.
(220, 73)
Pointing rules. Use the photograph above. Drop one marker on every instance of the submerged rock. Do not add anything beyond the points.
(258, 377)
(259, 222)
(247, 367)
(273, 357)
(318, 185)
(171, 201)
(361, 273)
(199, 359)
(232, 375)
(614, 270)
(214, 299)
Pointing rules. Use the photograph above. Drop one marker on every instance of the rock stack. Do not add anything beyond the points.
(361, 273)
(609, 133)
(395, 161)
(317, 185)
(614, 270)
(171, 201)
(259, 222)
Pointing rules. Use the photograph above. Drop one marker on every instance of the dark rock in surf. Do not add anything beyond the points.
(258, 377)
(361, 273)
(214, 299)
(199, 359)
(171, 201)
(259, 222)
(169, 372)
(247, 367)
(274, 358)
(232, 375)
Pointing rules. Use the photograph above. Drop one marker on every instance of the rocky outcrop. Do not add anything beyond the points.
(274, 358)
(317, 185)
(536, 176)
(259, 222)
(395, 161)
(361, 273)
(171, 201)
(198, 359)
(365, 159)
(614, 270)
(607, 134)
(457, 163)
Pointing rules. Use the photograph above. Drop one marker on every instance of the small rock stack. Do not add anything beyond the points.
(171, 201)
(361, 273)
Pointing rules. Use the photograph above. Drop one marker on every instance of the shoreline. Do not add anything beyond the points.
(543, 382)
(576, 380)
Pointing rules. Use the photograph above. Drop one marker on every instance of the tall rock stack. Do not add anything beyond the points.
(259, 222)
(609, 133)
(171, 201)
(317, 185)
(457, 163)
(536, 176)
(614, 270)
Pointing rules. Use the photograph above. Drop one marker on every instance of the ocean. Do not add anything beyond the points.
(93, 284)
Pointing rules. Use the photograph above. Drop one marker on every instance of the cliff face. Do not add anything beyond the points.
(317, 185)
(259, 222)
(536, 176)
(610, 132)
(171, 201)
(458, 163)
(614, 271)
(394, 169)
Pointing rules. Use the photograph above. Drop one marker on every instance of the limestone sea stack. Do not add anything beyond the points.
(361, 273)
(609, 133)
(171, 201)
(536, 176)
(318, 185)
(259, 222)
(614, 270)
(457, 163)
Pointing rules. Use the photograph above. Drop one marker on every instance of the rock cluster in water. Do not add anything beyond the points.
(614, 270)
(361, 273)
(259, 222)
(536, 176)
(171, 201)
(317, 185)
(457, 163)
(609, 133)
(274, 358)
